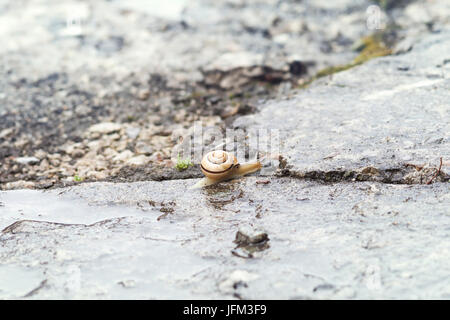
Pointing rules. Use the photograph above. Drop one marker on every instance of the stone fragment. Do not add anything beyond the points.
(105, 128)
(27, 160)
(138, 160)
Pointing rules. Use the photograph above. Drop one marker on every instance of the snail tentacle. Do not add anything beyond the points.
(248, 167)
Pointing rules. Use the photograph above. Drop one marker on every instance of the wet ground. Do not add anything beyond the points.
(351, 202)
(287, 239)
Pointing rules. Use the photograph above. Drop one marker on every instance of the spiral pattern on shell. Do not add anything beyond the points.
(218, 163)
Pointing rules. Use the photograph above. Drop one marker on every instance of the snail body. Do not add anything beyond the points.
(218, 166)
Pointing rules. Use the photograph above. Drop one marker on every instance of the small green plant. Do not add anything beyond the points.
(183, 164)
(77, 178)
(130, 118)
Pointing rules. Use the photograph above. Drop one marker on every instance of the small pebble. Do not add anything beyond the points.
(27, 160)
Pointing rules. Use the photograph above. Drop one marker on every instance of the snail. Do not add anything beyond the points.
(221, 165)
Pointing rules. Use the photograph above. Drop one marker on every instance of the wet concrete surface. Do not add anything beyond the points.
(154, 240)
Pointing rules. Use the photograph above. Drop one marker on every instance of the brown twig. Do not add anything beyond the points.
(436, 174)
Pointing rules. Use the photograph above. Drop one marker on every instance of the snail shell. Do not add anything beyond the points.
(218, 164)
(221, 165)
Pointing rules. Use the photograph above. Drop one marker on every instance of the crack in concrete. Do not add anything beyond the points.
(406, 174)
(400, 175)
(21, 225)
(42, 285)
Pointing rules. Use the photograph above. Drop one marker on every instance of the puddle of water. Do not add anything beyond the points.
(43, 206)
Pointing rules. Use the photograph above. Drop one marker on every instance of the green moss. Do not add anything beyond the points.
(77, 178)
(183, 164)
(369, 47)
(326, 72)
(334, 69)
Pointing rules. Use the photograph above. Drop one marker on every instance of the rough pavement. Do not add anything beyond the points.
(153, 240)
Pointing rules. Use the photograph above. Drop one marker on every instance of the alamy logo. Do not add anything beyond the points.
(76, 17)
(375, 18)
(373, 277)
